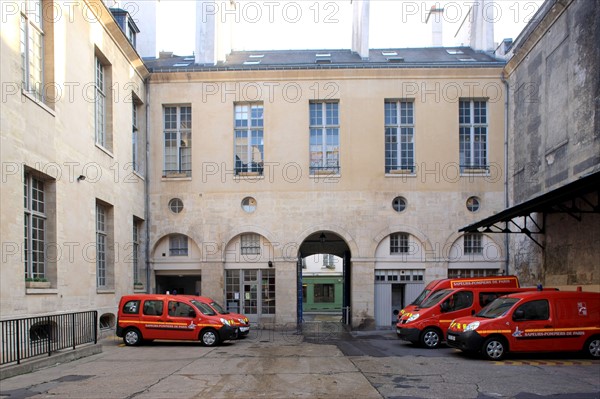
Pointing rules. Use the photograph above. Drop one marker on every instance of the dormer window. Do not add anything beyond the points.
(126, 24)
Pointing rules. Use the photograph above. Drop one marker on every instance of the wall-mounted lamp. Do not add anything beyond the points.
(80, 178)
(322, 238)
(270, 264)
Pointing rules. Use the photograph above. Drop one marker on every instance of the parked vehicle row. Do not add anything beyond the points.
(494, 316)
(146, 317)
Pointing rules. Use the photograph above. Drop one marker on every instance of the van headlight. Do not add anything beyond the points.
(225, 322)
(413, 318)
(472, 326)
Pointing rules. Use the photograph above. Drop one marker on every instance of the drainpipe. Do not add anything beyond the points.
(506, 198)
(147, 181)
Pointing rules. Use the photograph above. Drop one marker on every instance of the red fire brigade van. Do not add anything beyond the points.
(480, 282)
(427, 324)
(239, 320)
(543, 321)
(171, 317)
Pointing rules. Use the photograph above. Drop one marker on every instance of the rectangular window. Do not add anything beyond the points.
(267, 291)
(135, 255)
(473, 126)
(472, 244)
(250, 244)
(32, 48)
(324, 293)
(100, 104)
(178, 141)
(399, 137)
(248, 141)
(328, 261)
(34, 228)
(101, 245)
(398, 243)
(324, 138)
(134, 136)
(178, 245)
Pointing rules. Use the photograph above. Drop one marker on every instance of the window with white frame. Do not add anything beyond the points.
(101, 245)
(250, 244)
(134, 136)
(35, 228)
(399, 137)
(178, 140)
(406, 275)
(329, 261)
(32, 48)
(178, 245)
(135, 255)
(472, 243)
(399, 243)
(473, 127)
(324, 137)
(248, 140)
(100, 103)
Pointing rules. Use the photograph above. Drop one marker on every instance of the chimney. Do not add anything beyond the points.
(482, 27)
(206, 32)
(436, 25)
(360, 28)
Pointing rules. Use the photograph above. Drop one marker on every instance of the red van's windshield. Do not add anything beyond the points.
(204, 308)
(497, 308)
(435, 298)
(421, 297)
(218, 308)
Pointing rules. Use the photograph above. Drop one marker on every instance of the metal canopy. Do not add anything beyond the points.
(573, 199)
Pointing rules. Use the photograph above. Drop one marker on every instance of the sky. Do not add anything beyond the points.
(327, 24)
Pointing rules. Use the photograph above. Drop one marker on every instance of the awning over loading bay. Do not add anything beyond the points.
(575, 199)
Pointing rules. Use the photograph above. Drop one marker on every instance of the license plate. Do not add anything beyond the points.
(244, 329)
(451, 338)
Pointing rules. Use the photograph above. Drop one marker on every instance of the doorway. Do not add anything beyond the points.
(179, 283)
(323, 290)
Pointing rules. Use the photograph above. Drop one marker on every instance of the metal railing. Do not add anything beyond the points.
(43, 335)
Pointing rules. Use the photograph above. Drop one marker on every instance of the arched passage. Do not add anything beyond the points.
(326, 286)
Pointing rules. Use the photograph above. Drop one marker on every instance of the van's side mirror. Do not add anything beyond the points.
(444, 306)
(519, 315)
(396, 312)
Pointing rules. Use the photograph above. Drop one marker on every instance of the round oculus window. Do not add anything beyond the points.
(399, 204)
(473, 204)
(176, 205)
(249, 204)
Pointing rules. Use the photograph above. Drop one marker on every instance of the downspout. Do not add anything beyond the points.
(506, 197)
(146, 188)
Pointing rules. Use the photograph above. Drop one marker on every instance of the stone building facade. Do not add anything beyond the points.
(121, 174)
(554, 148)
(273, 156)
(73, 160)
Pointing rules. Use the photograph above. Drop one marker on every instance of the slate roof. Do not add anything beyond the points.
(429, 57)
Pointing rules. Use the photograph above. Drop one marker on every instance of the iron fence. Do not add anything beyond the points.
(43, 335)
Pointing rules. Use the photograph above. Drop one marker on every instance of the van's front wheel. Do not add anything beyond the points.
(494, 349)
(592, 347)
(209, 337)
(431, 338)
(132, 337)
